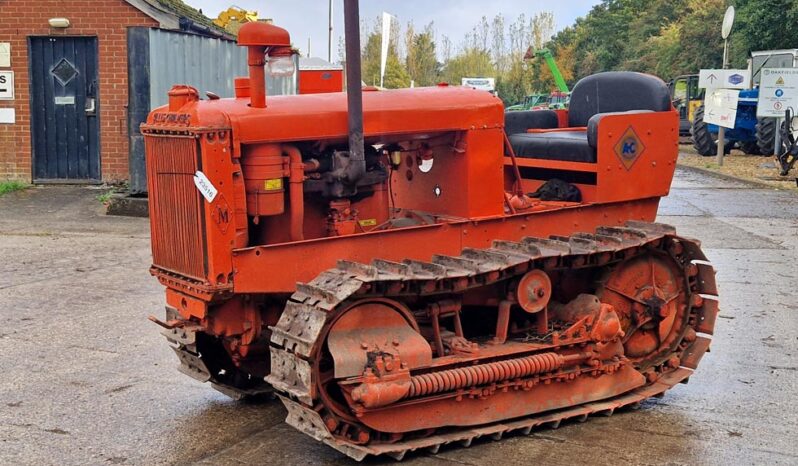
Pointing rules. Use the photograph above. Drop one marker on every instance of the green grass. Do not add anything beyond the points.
(105, 198)
(11, 186)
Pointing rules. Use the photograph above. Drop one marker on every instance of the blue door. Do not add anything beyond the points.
(64, 108)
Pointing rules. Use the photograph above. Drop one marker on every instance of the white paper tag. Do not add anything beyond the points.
(205, 186)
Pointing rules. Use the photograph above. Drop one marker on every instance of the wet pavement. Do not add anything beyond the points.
(86, 379)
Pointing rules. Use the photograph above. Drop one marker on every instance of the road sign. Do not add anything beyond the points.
(480, 84)
(724, 79)
(6, 85)
(720, 107)
(728, 22)
(778, 91)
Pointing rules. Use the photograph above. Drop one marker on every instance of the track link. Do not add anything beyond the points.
(295, 338)
(193, 363)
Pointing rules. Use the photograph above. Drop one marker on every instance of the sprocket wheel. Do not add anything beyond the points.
(650, 295)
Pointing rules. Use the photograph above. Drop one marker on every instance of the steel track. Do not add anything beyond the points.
(296, 337)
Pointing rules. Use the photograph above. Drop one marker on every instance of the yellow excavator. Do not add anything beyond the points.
(232, 18)
(686, 97)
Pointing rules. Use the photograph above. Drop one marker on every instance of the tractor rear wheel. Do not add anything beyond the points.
(766, 135)
(705, 142)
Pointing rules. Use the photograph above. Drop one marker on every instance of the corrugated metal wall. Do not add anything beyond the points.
(205, 63)
(159, 59)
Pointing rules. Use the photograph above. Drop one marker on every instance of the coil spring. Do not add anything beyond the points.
(453, 379)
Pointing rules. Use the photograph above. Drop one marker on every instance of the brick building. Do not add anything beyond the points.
(67, 118)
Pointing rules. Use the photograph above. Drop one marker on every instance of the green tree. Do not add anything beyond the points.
(700, 42)
(396, 76)
(470, 62)
(515, 84)
(422, 61)
(763, 25)
(662, 37)
(541, 28)
(395, 73)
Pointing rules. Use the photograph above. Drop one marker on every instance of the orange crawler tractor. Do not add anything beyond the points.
(376, 258)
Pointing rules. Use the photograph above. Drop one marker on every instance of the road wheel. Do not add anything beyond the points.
(766, 135)
(705, 143)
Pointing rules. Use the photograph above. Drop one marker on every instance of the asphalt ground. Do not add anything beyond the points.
(86, 379)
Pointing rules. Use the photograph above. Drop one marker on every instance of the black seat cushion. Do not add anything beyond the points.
(570, 146)
(593, 96)
(519, 122)
(616, 91)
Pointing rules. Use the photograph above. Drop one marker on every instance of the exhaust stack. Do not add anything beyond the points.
(354, 91)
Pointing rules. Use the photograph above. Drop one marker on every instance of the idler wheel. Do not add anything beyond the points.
(534, 291)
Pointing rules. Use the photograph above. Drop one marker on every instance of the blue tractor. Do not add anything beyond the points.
(752, 135)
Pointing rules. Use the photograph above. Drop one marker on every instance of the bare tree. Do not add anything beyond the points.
(541, 29)
(498, 45)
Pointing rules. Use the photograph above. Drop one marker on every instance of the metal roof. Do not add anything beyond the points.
(177, 15)
(317, 64)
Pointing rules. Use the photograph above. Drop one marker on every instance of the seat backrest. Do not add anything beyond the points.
(616, 91)
(519, 122)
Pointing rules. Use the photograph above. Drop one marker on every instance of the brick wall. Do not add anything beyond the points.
(108, 20)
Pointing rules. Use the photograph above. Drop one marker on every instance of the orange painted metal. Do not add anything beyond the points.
(634, 290)
(534, 291)
(321, 81)
(421, 242)
(263, 34)
(502, 404)
(556, 130)
(262, 38)
(275, 210)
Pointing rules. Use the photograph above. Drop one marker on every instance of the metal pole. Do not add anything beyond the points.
(721, 144)
(354, 90)
(721, 129)
(330, 34)
(777, 141)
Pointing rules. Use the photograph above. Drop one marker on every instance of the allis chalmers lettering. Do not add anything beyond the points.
(183, 119)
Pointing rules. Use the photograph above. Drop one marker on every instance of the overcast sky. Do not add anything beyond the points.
(454, 18)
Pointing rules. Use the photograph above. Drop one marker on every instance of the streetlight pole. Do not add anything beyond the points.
(330, 34)
(722, 129)
(725, 30)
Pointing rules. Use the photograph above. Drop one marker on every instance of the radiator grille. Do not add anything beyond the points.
(176, 215)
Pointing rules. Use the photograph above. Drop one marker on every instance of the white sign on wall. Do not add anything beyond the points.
(5, 55)
(724, 79)
(720, 107)
(7, 116)
(778, 91)
(6, 85)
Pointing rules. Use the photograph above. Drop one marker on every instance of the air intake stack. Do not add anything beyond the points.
(263, 39)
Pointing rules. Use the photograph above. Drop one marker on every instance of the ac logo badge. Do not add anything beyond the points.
(629, 148)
